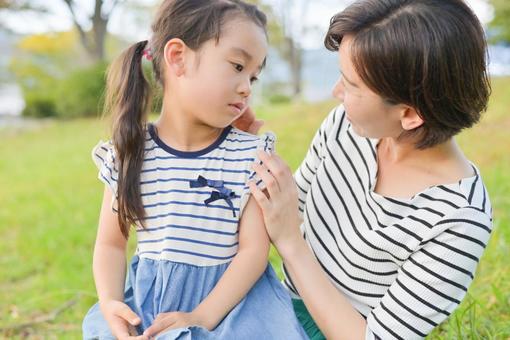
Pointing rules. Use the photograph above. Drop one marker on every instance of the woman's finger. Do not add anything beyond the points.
(269, 180)
(276, 166)
(268, 160)
(255, 126)
(286, 175)
(259, 196)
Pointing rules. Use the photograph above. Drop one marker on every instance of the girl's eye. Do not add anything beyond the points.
(253, 79)
(238, 67)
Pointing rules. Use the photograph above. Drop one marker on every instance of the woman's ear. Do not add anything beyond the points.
(174, 56)
(410, 119)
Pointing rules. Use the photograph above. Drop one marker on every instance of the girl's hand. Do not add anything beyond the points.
(247, 122)
(121, 319)
(167, 321)
(279, 202)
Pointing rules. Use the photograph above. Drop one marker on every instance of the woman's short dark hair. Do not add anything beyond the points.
(428, 54)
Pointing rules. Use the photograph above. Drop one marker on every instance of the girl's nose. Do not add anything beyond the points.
(244, 88)
(338, 90)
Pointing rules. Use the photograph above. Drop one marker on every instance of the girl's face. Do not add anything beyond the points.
(369, 114)
(219, 78)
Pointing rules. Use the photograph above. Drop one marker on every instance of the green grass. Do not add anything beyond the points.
(50, 198)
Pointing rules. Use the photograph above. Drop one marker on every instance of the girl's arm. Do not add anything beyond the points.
(334, 315)
(242, 273)
(244, 270)
(109, 266)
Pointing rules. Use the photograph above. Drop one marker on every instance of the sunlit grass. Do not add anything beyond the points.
(50, 198)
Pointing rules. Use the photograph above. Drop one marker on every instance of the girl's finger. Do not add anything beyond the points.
(158, 326)
(124, 312)
(269, 180)
(259, 196)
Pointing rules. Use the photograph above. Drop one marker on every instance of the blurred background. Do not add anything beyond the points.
(53, 57)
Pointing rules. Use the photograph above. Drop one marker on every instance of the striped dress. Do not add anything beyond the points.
(193, 203)
(404, 264)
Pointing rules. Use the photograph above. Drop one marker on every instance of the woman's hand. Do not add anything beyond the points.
(121, 319)
(247, 122)
(279, 202)
(167, 321)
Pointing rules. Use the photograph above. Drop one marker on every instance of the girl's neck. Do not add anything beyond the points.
(181, 131)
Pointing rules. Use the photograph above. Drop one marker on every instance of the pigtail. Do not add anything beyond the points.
(128, 99)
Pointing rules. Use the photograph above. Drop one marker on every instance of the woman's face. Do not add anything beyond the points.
(368, 113)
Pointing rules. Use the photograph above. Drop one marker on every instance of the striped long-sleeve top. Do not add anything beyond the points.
(404, 264)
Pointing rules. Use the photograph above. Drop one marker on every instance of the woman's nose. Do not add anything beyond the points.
(338, 90)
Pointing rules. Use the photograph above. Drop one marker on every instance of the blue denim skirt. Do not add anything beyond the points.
(159, 286)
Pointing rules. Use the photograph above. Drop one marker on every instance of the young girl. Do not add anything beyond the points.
(200, 268)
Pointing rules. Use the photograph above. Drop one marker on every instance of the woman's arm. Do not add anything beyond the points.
(109, 266)
(334, 315)
(433, 281)
(242, 273)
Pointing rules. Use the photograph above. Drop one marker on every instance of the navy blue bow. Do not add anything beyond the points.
(221, 193)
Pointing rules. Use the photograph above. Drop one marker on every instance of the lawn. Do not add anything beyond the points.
(50, 198)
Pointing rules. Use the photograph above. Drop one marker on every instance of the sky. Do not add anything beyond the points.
(132, 27)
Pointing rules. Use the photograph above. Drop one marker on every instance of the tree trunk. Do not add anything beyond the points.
(99, 25)
(295, 60)
(93, 42)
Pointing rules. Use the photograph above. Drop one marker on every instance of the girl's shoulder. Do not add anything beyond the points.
(241, 141)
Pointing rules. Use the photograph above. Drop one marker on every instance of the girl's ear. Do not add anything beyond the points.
(410, 118)
(174, 56)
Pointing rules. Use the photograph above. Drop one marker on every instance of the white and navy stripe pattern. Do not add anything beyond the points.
(404, 264)
(179, 225)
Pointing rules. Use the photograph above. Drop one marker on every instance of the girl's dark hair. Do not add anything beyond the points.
(128, 94)
(428, 54)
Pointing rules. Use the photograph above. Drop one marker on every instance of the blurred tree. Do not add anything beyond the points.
(17, 6)
(284, 34)
(501, 22)
(39, 63)
(93, 40)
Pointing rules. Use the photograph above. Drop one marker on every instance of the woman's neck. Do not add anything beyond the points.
(182, 131)
(448, 154)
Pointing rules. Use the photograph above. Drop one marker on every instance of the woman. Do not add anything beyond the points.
(393, 217)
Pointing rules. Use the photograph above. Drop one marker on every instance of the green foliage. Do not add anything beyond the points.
(501, 22)
(39, 105)
(80, 94)
(56, 79)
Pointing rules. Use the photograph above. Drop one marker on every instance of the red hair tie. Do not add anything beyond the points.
(147, 53)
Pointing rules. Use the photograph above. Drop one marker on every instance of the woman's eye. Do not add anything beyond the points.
(238, 67)
(253, 79)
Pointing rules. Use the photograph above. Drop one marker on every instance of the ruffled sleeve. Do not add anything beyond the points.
(103, 155)
(266, 143)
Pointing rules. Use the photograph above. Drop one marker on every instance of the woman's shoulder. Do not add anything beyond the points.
(467, 193)
(463, 206)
